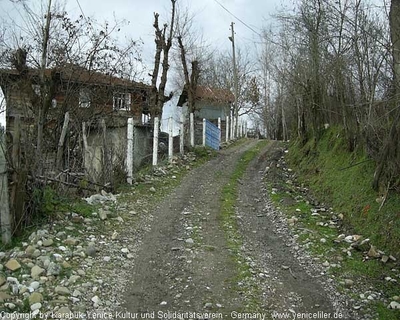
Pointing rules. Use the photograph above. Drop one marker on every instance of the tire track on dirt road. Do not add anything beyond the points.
(290, 281)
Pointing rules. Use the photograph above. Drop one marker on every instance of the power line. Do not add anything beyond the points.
(237, 18)
(84, 16)
(79, 5)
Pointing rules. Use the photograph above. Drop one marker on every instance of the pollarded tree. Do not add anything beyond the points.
(163, 40)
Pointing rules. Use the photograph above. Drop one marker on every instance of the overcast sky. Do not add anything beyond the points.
(212, 18)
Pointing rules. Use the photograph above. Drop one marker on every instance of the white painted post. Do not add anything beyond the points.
(170, 139)
(182, 134)
(245, 129)
(192, 129)
(220, 131)
(155, 140)
(4, 201)
(129, 152)
(204, 132)
(235, 132)
(227, 128)
(233, 128)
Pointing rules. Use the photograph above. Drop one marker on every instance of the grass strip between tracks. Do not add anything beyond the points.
(244, 281)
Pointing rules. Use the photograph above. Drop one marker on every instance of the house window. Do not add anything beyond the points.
(122, 101)
(84, 98)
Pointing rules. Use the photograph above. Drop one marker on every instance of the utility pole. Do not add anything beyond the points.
(235, 80)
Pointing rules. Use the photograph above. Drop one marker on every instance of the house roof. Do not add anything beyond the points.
(214, 94)
(210, 94)
(81, 75)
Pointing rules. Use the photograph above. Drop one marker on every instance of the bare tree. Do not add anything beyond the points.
(388, 162)
(163, 45)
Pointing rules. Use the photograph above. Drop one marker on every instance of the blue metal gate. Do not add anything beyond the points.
(213, 135)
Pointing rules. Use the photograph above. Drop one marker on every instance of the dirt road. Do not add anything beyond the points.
(183, 262)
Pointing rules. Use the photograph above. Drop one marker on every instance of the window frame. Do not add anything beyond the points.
(85, 100)
(122, 101)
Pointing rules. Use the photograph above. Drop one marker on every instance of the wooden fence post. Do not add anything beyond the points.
(192, 129)
(155, 141)
(129, 152)
(170, 139)
(60, 149)
(4, 201)
(17, 196)
(106, 165)
(182, 135)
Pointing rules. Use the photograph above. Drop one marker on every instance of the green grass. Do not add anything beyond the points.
(230, 227)
(342, 180)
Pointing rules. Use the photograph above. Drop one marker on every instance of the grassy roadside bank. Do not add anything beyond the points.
(229, 225)
(343, 180)
(345, 205)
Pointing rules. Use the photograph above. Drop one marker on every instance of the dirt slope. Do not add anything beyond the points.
(182, 262)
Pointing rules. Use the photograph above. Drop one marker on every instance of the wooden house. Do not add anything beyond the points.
(92, 99)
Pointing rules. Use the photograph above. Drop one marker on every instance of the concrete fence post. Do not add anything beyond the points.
(182, 134)
(129, 152)
(220, 131)
(232, 127)
(192, 129)
(170, 139)
(204, 132)
(155, 140)
(227, 129)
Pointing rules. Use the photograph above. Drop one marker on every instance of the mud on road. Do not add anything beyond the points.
(182, 261)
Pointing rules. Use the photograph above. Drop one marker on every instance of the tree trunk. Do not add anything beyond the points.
(165, 65)
(43, 92)
(190, 81)
(157, 60)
